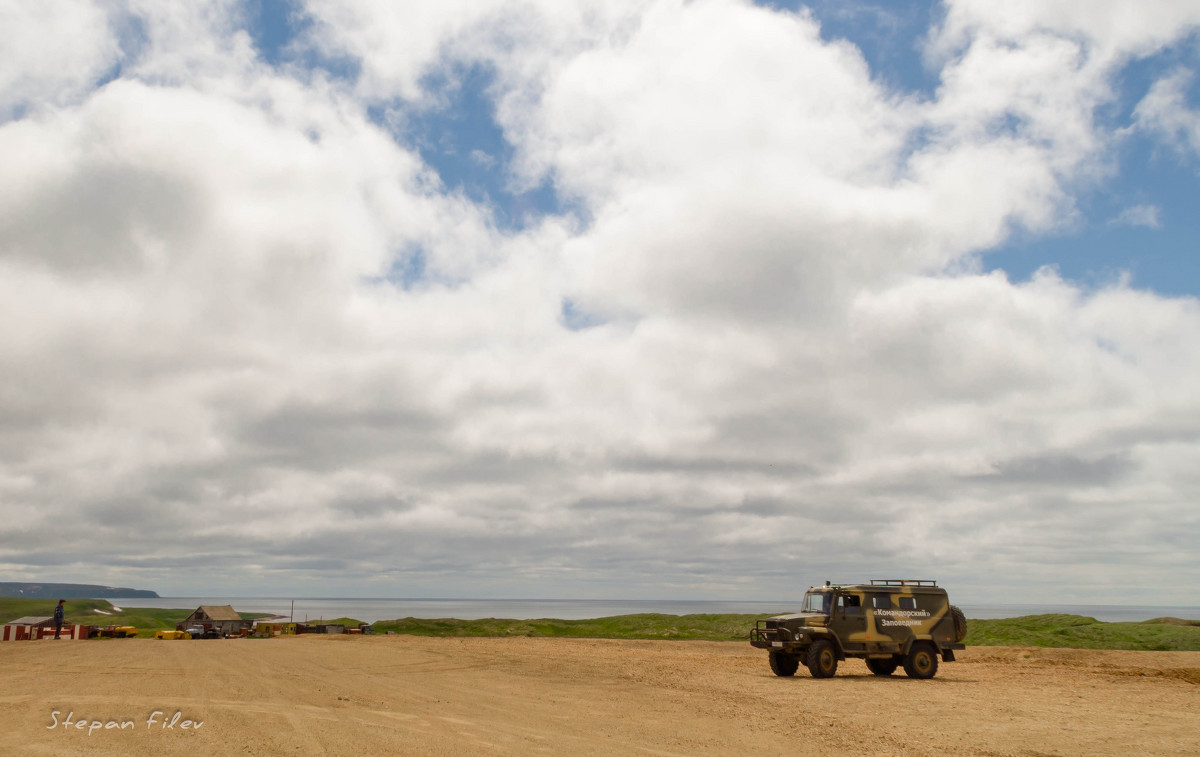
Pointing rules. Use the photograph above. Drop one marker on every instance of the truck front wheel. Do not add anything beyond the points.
(821, 660)
(784, 664)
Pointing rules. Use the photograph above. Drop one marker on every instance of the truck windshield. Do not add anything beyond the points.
(816, 601)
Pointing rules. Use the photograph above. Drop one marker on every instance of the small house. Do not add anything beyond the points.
(327, 628)
(26, 628)
(30, 628)
(223, 618)
(275, 628)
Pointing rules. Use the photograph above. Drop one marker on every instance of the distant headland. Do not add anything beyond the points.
(70, 591)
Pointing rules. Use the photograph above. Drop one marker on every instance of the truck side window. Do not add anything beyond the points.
(881, 602)
(849, 603)
(908, 603)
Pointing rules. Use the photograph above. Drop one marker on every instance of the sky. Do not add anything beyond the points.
(601, 298)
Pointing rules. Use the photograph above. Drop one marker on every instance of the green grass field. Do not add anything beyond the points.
(1031, 631)
(147, 620)
(641, 626)
(1162, 634)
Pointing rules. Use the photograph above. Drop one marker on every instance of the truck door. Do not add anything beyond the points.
(849, 622)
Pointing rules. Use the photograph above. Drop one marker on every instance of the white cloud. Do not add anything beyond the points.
(53, 52)
(481, 158)
(790, 348)
(1165, 112)
(397, 46)
(1112, 28)
(1138, 215)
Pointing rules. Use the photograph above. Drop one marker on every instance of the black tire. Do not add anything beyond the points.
(960, 623)
(922, 661)
(784, 664)
(883, 667)
(821, 659)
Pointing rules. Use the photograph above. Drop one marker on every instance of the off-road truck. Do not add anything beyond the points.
(888, 622)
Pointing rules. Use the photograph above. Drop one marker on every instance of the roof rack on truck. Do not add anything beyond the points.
(902, 582)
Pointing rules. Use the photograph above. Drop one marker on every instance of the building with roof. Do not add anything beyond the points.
(223, 618)
(39, 627)
(268, 627)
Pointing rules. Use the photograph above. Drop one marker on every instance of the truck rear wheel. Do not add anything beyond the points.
(784, 664)
(883, 667)
(922, 661)
(821, 659)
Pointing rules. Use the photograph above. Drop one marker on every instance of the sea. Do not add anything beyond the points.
(306, 609)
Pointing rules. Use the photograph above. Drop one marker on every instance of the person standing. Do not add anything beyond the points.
(58, 617)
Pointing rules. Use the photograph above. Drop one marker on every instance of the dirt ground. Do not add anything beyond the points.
(418, 696)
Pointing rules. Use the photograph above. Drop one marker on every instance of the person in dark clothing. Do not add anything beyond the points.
(58, 617)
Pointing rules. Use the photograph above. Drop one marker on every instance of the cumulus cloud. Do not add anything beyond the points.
(1112, 28)
(52, 52)
(258, 333)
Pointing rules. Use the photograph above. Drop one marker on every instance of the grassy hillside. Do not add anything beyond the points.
(12, 608)
(641, 626)
(1164, 634)
(1035, 630)
(68, 591)
(82, 611)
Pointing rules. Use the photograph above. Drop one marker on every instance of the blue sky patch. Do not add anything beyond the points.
(273, 24)
(458, 137)
(406, 270)
(276, 25)
(1146, 225)
(889, 35)
(575, 319)
(1141, 222)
